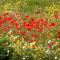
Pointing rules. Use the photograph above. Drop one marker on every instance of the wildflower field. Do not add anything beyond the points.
(29, 29)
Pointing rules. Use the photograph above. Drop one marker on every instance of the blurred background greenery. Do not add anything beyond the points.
(28, 6)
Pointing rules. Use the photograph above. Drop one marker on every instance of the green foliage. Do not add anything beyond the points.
(26, 6)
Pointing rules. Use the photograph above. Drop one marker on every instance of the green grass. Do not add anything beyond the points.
(26, 6)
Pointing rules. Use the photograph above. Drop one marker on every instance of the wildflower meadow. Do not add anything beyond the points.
(29, 29)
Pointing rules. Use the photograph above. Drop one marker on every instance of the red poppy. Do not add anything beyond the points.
(12, 22)
(37, 25)
(24, 23)
(52, 24)
(45, 24)
(16, 24)
(26, 17)
(40, 30)
(56, 16)
(41, 20)
(53, 42)
(8, 18)
(33, 23)
(32, 19)
(28, 26)
(1, 23)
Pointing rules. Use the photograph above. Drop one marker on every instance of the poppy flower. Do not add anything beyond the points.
(52, 24)
(8, 18)
(24, 23)
(40, 30)
(32, 19)
(56, 16)
(12, 22)
(41, 20)
(33, 23)
(45, 24)
(28, 26)
(1, 23)
(16, 24)
(53, 42)
(37, 25)
(26, 17)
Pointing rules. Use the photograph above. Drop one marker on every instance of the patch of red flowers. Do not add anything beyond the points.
(28, 26)
(22, 26)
